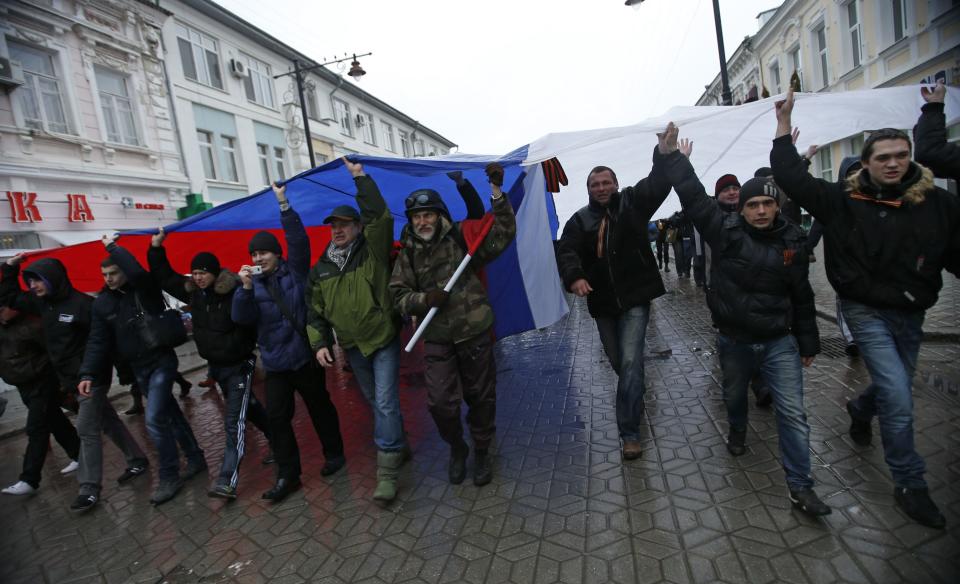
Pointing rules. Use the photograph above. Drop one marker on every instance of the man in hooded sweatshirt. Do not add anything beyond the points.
(888, 233)
(273, 299)
(227, 347)
(66, 314)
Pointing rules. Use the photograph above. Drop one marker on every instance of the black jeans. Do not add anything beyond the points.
(44, 417)
(311, 383)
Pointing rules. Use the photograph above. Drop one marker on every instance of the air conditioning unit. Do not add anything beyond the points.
(10, 75)
(238, 69)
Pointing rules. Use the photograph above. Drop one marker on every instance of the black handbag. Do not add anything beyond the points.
(160, 331)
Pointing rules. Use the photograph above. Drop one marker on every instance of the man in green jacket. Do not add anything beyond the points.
(349, 293)
(458, 344)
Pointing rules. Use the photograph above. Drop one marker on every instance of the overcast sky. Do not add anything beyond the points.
(494, 75)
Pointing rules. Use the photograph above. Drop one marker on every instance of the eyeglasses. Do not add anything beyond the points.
(417, 199)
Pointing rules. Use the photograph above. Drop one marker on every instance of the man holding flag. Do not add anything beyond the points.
(458, 343)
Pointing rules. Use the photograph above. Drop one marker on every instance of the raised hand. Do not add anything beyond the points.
(355, 168)
(784, 111)
(936, 95)
(667, 139)
(158, 237)
(686, 147)
(811, 150)
(106, 240)
(795, 135)
(17, 259)
(279, 192)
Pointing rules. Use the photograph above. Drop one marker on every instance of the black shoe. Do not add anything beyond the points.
(84, 503)
(457, 471)
(185, 388)
(132, 472)
(195, 468)
(222, 492)
(332, 465)
(852, 350)
(860, 430)
(918, 505)
(280, 490)
(482, 468)
(166, 490)
(135, 410)
(764, 399)
(808, 502)
(735, 442)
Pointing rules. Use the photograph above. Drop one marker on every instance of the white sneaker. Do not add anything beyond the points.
(72, 467)
(19, 488)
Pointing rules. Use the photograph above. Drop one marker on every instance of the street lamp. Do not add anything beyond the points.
(724, 81)
(356, 71)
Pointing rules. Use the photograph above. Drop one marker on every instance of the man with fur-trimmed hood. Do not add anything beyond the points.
(227, 347)
(888, 234)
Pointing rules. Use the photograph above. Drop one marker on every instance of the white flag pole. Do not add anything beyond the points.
(426, 321)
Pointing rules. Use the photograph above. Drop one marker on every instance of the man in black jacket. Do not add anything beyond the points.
(604, 255)
(888, 234)
(762, 305)
(66, 316)
(227, 347)
(933, 150)
(131, 292)
(24, 363)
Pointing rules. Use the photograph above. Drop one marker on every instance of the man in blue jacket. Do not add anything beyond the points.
(273, 298)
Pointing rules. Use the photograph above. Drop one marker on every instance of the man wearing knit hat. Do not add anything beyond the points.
(762, 305)
(227, 347)
(273, 299)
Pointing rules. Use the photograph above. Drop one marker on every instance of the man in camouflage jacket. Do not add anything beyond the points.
(458, 344)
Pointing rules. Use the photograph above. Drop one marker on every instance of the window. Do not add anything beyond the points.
(40, 92)
(263, 152)
(825, 160)
(775, 78)
(117, 108)
(199, 57)
(228, 144)
(821, 44)
(278, 156)
(365, 121)
(310, 97)
(418, 147)
(853, 24)
(259, 82)
(206, 154)
(900, 19)
(341, 111)
(405, 149)
(856, 145)
(387, 131)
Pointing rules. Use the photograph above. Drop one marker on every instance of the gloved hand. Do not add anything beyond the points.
(456, 176)
(437, 298)
(494, 173)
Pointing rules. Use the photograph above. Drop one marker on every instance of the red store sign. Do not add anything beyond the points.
(23, 208)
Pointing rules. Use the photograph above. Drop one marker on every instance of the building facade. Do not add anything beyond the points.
(113, 111)
(841, 45)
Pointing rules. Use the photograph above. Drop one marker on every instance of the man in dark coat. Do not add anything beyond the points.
(763, 307)
(604, 255)
(888, 234)
(933, 150)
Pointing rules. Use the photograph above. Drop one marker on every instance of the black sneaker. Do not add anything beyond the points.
(860, 430)
(131, 472)
(166, 490)
(195, 468)
(222, 492)
(332, 465)
(84, 503)
(918, 505)
(736, 441)
(457, 471)
(808, 502)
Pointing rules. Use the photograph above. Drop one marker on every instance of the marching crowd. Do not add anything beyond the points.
(888, 234)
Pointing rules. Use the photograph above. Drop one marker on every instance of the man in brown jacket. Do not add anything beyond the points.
(458, 344)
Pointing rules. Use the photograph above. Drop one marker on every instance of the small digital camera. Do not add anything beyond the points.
(256, 270)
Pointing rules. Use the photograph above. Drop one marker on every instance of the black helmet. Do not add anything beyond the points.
(425, 200)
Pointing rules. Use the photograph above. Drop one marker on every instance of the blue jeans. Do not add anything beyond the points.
(778, 362)
(889, 342)
(379, 379)
(240, 405)
(166, 424)
(623, 341)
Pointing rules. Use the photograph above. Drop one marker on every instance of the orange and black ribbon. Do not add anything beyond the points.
(888, 202)
(554, 174)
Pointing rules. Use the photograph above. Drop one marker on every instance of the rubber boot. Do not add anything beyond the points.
(388, 469)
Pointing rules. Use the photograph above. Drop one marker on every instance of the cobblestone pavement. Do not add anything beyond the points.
(562, 508)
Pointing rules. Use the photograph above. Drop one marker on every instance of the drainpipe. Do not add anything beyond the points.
(173, 107)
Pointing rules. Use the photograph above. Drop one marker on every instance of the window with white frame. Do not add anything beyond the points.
(279, 155)
(367, 131)
(259, 81)
(205, 139)
(899, 9)
(229, 146)
(775, 78)
(405, 148)
(387, 130)
(854, 33)
(341, 111)
(856, 145)
(263, 152)
(820, 42)
(796, 64)
(825, 162)
(199, 56)
(310, 98)
(40, 95)
(117, 108)
(418, 148)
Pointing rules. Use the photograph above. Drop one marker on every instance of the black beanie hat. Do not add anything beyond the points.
(265, 241)
(758, 187)
(205, 261)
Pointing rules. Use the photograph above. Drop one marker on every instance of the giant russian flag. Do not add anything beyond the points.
(523, 283)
